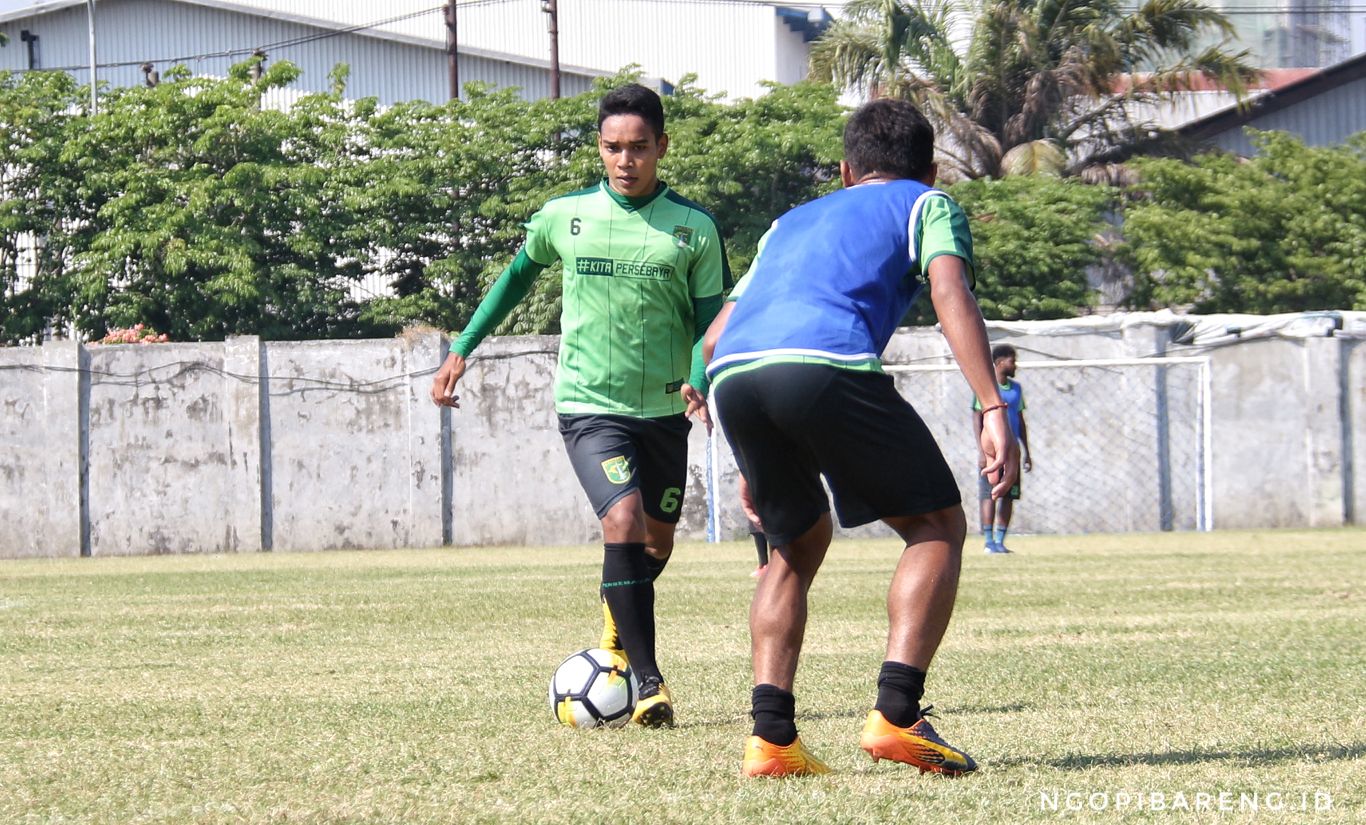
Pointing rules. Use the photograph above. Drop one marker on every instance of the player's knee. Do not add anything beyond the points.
(948, 525)
(625, 520)
(659, 546)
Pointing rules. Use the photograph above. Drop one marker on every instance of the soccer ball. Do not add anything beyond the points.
(593, 688)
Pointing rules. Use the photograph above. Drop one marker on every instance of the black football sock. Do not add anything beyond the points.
(655, 566)
(774, 711)
(761, 546)
(630, 595)
(899, 688)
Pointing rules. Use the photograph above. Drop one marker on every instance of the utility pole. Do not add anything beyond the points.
(451, 51)
(94, 96)
(552, 8)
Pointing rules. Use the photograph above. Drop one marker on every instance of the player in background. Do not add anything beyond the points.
(801, 393)
(996, 515)
(644, 271)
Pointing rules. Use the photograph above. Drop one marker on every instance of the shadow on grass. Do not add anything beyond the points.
(811, 715)
(802, 716)
(1353, 750)
(983, 709)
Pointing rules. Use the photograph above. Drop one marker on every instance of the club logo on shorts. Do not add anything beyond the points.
(683, 234)
(617, 470)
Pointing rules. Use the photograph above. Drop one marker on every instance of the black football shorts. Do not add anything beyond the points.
(789, 424)
(614, 455)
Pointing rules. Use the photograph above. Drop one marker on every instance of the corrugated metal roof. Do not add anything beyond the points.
(1323, 109)
(209, 40)
(732, 46)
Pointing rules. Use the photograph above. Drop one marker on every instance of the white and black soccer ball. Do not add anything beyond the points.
(593, 688)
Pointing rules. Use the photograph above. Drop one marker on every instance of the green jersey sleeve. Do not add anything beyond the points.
(710, 273)
(944, 231)
(510, 288)
(540, 246)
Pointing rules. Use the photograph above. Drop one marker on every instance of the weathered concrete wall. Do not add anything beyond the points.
(238, 446)
(159, 475)
(513, 483)
(244, 446)
(40, 451)
(355, 444)
(1264, 417)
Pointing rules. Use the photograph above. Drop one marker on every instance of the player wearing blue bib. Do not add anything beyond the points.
(996, 514)
(799, 388)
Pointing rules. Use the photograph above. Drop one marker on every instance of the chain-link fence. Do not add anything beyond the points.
(1118, 445)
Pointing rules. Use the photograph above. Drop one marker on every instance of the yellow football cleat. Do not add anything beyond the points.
(917, 745)
(763, 758)
(655, 707)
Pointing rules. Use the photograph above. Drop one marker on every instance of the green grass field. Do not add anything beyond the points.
(410, 687)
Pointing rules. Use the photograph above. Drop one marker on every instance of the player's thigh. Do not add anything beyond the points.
(602, 452)
(661, 446)
(879, 457)
(771, 449)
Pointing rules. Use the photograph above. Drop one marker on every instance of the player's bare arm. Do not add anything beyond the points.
(443, 386)
(961, 320)
(1024, 445)
(718, 325)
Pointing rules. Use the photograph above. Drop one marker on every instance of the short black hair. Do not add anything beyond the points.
(1002, 351)
(890, 137)
(633, 99)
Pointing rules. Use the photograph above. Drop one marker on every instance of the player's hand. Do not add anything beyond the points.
(1028, 464)
(697, 405)
(747, 504)
(443, 386)
(1003, 454)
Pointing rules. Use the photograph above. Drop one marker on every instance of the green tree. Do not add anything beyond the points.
(1032, 74)
(1032, 261)
(1282, 232)
(749, 162)
(446, 190)
(211, 215)
(35, 240)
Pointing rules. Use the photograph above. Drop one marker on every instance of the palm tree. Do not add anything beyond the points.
(1020, 85)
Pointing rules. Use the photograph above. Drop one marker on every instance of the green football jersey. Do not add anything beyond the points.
(632, 270)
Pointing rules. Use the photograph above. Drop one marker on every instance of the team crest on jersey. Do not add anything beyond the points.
(683, 234)
(617, 469)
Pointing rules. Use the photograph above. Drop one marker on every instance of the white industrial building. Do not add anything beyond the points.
(397, 49)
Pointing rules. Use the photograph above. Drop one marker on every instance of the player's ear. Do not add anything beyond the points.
(846, 174)
(663, 144)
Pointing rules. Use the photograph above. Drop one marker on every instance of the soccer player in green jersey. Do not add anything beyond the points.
(644, 270)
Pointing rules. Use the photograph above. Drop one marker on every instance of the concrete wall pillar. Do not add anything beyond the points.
(429, 471)
(65, 433)
(243, 379)
(1323, 435)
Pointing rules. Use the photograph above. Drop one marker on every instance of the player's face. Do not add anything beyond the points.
(1005, 367)
(630, 152)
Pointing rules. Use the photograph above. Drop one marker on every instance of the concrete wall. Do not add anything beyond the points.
(246, 446)
(236, 446)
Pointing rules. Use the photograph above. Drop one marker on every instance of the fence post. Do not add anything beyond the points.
(66, 434)
(429, 511)
(1324, 436)
(248, 528)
